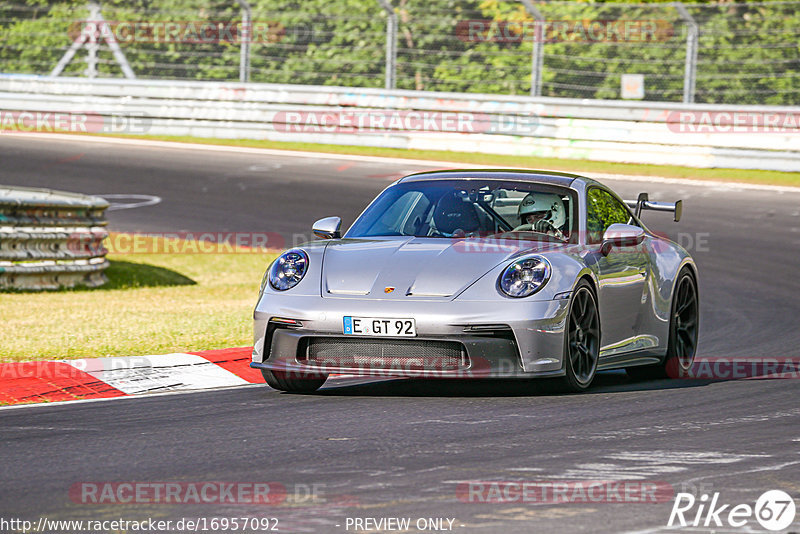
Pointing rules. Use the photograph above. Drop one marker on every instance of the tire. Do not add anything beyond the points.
(281, 381)
(582, 339)
(684, 322)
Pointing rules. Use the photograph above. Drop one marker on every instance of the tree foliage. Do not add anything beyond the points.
(748, 52)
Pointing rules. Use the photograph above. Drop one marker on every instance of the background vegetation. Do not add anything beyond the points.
(748, 53)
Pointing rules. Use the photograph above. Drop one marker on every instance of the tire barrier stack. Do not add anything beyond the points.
(51, 239)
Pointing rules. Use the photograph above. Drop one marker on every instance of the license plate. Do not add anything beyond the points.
(379, 327)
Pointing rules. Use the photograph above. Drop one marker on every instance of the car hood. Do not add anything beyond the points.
(409, 267)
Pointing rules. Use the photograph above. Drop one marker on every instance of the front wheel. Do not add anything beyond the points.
(683, 328)
(283, 381)
(582, 343)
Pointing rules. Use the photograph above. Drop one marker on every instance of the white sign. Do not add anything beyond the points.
(632, 86)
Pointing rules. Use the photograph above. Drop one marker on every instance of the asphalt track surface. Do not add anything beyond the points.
(399, 448)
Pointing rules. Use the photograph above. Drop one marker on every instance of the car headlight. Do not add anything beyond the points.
(524, 277)
(287, 271)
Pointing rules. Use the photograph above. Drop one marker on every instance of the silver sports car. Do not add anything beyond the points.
(476, 273)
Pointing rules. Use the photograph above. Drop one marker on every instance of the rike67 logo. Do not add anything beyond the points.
(774, 510)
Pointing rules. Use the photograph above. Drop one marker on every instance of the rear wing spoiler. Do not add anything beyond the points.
(644, 203)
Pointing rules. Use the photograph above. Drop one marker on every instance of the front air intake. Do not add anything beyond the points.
(383, 354)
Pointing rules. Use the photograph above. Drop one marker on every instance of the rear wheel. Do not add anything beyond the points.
(283, 381)
(683, 328)
(582, 343)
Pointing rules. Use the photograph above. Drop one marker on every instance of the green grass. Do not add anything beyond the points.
(152, 304)
(567, 165)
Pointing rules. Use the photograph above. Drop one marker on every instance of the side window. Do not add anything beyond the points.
(603, 210)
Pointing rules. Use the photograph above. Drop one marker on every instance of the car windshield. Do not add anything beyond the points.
(470, 208)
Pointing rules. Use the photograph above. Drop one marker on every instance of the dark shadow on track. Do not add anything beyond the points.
(606, 382)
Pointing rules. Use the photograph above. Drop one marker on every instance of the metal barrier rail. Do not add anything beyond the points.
(699, 135)
(51, 239)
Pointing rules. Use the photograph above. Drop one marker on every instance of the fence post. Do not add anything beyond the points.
(92, 46)
(692, 37)
(245, 36)
(537, 57)
(391, 44)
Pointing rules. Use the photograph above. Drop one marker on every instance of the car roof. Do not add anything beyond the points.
(563, 179)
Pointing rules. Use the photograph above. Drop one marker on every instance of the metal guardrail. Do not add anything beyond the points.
(51, 239)
(632, 132)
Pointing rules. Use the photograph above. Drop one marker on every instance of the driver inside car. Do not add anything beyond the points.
(543, 213)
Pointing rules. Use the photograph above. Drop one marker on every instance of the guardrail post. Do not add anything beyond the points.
(391, 44)
(245, 36)
(537, 55)
(692, 43)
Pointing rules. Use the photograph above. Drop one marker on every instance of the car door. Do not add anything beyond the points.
(622, 274)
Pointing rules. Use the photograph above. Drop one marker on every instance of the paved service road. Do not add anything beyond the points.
(401, 448)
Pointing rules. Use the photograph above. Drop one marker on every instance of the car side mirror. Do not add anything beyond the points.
(621, 235)
(327, 228)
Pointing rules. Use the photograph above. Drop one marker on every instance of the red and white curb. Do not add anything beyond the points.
(97, 378)
(104, 378)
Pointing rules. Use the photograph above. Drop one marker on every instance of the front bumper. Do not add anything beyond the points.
(498, 339)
